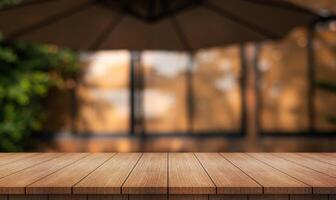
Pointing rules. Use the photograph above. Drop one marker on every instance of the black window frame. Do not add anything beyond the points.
(139, 80)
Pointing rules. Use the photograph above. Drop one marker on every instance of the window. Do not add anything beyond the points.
(216, 89)
(283, 84)
(165, 106)
(325, 63)
(166, 84)
(103, 93)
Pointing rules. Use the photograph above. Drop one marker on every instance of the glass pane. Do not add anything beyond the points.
(103, 93)
(325, 53)
(284, 84)
(216, 86)
(165, 91)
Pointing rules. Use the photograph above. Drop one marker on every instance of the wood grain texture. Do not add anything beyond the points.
(309, 197)
(155, 175)
(188, 197)
(149, 175)
(16, 183)
(187, 176)
(330, 154)
(29, 197)
(321, 157)
(25, 163)
(61, 182)
(108, 197)
(228, 197)
(148, 197)
(319, 166)
(228, 178)
(321, 183)
(273, 181)
(7, 158)
(67, 197)
(268, 197)
(172, 197)
(108, 178)
(4, 154)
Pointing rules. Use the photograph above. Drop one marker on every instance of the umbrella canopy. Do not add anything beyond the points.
(150, 24)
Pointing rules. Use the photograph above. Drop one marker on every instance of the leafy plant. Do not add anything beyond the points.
(331, 87)
(4, 3)
(27, 74)
(325, 85)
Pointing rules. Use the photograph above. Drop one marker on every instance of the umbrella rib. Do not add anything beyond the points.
(49, 20)
(253, 27)
(102, 37)
(20, 5)
(182, 37)
(282, 5)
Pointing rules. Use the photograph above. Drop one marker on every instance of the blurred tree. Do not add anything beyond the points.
(27, 73)
(8, 2)
(331, 87)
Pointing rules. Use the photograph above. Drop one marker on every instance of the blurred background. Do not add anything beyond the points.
(266, 96)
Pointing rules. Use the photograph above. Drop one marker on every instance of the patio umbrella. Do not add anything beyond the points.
(150, 24)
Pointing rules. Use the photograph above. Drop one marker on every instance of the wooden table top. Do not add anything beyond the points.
(168, 173)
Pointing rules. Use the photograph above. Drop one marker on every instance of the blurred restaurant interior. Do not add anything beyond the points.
(262, 96)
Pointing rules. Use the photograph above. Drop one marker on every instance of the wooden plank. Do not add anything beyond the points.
(310, 163)
(25, 163)
(228, 197)
(8, 154)
(330, 154)
(273, 181)
(16, 183)
(268, 197)
(332, 197)
(12, 157)
(308, 197)
(30, 197)
(108, 197)
(150, 175)
(148, 197)
(187, 176)
(67, 197)
(228, 178)
(109, 178)
(188, 197)
(321, 183)
(62, 181)
(4, 154)
(321, 157)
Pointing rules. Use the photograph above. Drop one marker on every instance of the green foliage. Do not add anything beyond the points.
(330, 87)
(331, 119)
(4, 3)
(27, 73)
(325, 85)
